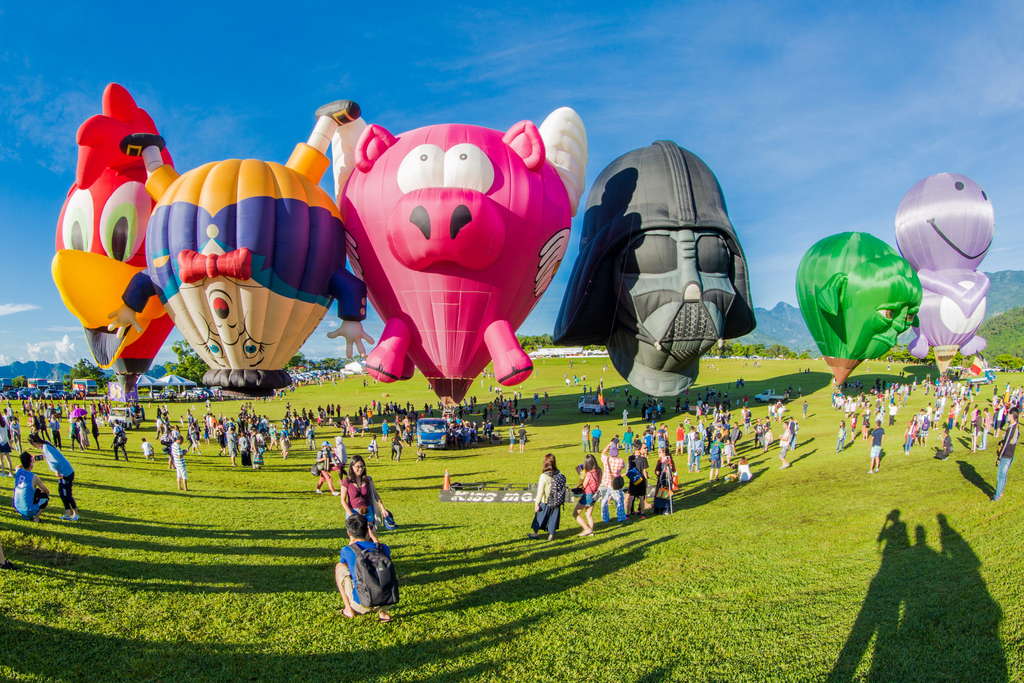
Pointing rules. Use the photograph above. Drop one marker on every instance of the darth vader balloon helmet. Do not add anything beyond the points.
(675, 289)
(657, 241)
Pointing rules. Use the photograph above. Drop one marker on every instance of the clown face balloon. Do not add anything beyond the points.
(857, 296)
(944, 228)
(457, 231)
(246, 256)
(661, 276)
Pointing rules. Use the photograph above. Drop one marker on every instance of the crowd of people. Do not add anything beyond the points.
(628, 475)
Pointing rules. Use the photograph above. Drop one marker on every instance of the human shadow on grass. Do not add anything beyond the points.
(364, 651)
(968, 472)
(803, 455)
(274, 495)
(456, 563)
(710, 491)
(553, 579)
(109, 524)
(162, 543)
(929, 613)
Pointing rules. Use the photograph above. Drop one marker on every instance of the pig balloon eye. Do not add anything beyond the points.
(422, 167)
(467, 166)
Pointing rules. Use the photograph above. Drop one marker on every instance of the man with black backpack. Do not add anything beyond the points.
(364, 574)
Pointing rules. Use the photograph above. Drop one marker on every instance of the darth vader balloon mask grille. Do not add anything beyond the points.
(661, 276)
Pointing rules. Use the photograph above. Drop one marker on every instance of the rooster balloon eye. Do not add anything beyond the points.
(76, 230)
(124, 220)
(958, 185)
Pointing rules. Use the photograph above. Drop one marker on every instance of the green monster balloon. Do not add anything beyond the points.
(857, 295)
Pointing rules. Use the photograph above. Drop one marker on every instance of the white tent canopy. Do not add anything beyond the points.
(174, 381)
(145, 381)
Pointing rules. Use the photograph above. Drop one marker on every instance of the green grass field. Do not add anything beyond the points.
(794, 576)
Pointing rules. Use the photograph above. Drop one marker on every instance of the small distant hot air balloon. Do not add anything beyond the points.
(857, 295)
(101, 235)
(661, 276)
(944, 227)
(246, 256)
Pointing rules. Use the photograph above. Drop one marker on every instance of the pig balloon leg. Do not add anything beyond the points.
(511, 364)
(389, 361)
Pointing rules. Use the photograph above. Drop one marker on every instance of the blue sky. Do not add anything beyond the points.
(816, 118)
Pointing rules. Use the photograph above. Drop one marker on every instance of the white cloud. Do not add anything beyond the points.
(58, 351)
(5, 359)
(8, 309)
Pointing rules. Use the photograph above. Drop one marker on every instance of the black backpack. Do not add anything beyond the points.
(376, 581)
(559, 491)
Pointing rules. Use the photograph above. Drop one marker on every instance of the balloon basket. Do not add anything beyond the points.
(944, 356)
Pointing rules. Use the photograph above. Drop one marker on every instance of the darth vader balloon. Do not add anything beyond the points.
(661, 276)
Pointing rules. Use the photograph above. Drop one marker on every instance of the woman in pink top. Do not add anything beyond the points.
(359, 496)
(591, 481)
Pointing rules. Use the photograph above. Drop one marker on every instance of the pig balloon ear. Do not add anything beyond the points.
(525, 140)
(374, 141)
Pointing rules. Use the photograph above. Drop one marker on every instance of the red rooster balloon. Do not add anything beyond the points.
(101, 236)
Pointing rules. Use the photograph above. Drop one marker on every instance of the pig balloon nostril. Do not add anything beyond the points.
(460, 218)
(421, 220)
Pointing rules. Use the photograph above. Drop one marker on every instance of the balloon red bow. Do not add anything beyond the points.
(196, 267)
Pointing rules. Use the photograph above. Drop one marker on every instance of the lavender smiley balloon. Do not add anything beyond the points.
(944, 228)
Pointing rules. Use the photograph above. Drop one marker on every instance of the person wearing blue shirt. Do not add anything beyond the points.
(345, 571)
(60, 466)
(30, 494)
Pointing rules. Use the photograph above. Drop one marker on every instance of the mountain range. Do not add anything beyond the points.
(41, 369)
(784, 324)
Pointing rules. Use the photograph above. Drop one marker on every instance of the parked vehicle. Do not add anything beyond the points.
(769, 396)
(431, 432)
(588, 403)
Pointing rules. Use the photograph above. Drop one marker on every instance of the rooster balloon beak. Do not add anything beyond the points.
(91, 286)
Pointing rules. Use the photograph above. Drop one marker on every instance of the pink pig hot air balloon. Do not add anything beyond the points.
(457, 230)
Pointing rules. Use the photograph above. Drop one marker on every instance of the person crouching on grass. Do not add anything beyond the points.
(30, 494)
(60, 466)
(346, 572)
